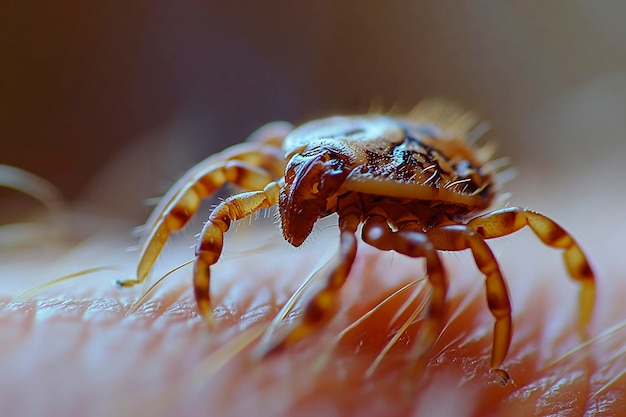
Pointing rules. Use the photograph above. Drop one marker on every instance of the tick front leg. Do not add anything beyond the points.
(323, 305)
(251, 167)
(211, 240)
(508, 220)
(461, 237)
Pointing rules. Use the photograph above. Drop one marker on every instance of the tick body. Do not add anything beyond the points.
(413, 184)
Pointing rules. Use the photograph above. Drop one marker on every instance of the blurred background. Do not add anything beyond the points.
(111, 101)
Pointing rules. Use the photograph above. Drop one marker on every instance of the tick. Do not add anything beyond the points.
(411, 184)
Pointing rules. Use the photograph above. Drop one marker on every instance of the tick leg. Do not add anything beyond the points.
(272, 133)
(322, 306)
(211, 240)
(250, 166)
(410, 241)
(461, 237)
(508, 220)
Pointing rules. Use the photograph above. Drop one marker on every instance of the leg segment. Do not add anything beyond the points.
(250, 166)
(211, 241)
(410, 241)
(506, 221)
(461, 237)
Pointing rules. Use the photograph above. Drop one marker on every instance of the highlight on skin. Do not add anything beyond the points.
(80, 352)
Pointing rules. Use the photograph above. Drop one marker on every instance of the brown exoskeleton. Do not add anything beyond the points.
(414, 184)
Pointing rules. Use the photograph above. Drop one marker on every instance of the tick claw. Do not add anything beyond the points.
(126, 283)
(503, 377)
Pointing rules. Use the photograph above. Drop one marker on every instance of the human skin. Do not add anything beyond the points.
(76, 350)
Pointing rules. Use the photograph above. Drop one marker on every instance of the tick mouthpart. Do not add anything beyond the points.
(310, 181)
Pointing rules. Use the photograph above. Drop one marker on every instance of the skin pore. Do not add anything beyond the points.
(76, 350)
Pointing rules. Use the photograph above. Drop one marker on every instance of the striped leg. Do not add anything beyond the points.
(250, 166)
(322, 306)
(211, 241)
(410, 241)
(461, 237)
(508, 220)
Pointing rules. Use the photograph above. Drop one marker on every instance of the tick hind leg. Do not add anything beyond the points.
(250, 166)
(211, 240)
(508, 220)
(411, 241)
(461, 237)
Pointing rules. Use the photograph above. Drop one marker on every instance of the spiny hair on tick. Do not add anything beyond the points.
(449, 120)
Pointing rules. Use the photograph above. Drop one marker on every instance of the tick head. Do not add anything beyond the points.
(312, 178)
